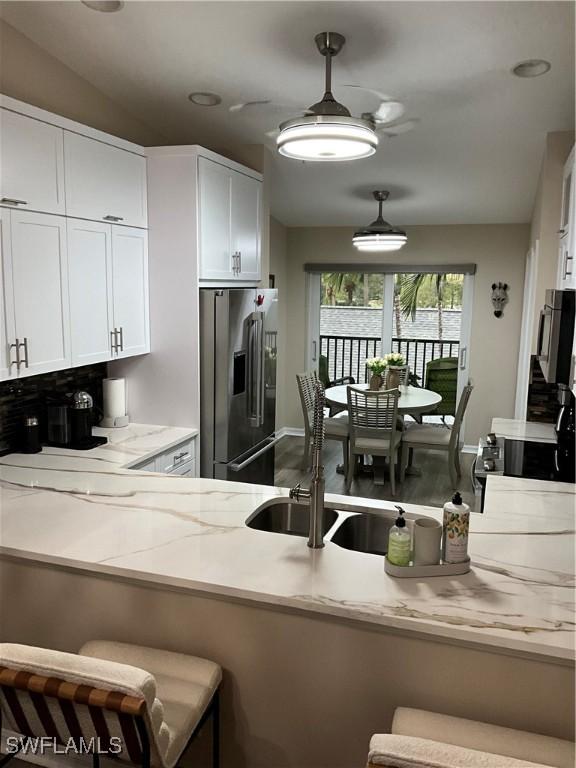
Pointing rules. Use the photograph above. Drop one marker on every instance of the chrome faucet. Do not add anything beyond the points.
(315, 495)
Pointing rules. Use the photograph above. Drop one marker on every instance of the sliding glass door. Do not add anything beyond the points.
(424, 315)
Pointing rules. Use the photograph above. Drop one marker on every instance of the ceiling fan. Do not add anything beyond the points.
(326, 130)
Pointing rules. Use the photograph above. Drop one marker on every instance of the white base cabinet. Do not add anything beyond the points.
(179, 460)
(35, 292)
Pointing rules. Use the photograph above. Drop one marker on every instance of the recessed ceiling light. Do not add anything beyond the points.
(104, 6)
(205, 99)
(532, 68)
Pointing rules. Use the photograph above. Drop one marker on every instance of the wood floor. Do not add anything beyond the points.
(432, 487)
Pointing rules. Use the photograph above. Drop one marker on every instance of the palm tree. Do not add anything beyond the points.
(342, 281)
(410, 288)
(397, 306)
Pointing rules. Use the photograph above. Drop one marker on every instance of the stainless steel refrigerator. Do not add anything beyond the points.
(238, 349)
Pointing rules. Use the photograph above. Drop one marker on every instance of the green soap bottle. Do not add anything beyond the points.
(399, 541)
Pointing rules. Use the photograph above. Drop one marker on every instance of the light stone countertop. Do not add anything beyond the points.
(85, 510)
(515, 429)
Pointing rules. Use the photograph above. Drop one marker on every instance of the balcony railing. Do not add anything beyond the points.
(347, 354)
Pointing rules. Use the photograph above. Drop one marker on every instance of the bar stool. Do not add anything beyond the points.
(422, 739)
(140, 704)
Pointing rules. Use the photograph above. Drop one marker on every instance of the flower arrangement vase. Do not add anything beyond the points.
(393, 378)
(375, 382)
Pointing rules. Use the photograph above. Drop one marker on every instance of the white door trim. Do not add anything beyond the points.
(313, 302)
(525, 351)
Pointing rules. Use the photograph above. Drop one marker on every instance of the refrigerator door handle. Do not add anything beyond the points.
(254, 371)
(260, 369)
(239, 466)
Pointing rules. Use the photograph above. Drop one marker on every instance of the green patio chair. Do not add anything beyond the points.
(442, 377)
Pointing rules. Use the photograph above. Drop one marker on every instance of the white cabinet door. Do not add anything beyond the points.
(7, 329)
(104, 182)
(567, 240)
(214, 182)
(130, 290)
(31, 164)
(245, 225)
(37, 291)
(90, 279)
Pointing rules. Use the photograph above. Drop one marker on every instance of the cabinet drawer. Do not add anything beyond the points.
(176, 457)
(185, 470)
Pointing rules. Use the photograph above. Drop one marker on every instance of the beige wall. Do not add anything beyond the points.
(498, 251)
(546, 216)
(279, 268)
(300, 690)
(30, 74)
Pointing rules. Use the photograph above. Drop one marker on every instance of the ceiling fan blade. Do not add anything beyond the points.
(379, 94)
(397, 130)
(388, 112)
(244, 104)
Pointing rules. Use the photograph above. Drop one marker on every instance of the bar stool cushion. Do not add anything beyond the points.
(521, 745)
(393, 751)
(184, 685)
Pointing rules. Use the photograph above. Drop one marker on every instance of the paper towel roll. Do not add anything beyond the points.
(114, 395)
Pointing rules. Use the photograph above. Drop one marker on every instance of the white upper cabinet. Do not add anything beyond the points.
(90, 279)
(36, 291)
(31, 164)
(229, 211)
(7, 331)
(214, 199)
(567, 232)
(245, 225)
(130, 291)
(103, 182)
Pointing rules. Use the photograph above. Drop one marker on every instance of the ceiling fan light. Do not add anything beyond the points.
(326, 138)
(376, 243)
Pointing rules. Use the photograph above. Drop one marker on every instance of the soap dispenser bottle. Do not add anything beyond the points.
(455, 530)
(399, 541)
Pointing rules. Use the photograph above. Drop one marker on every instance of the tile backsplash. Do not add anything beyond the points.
(20, 398)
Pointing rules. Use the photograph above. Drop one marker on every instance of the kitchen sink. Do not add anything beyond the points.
(288, 517)
(364, 533)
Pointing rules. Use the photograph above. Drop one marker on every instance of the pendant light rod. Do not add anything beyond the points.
(380, 196)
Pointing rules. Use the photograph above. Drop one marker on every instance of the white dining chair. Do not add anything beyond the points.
(373, 422)
(335, 427)
(438, 437)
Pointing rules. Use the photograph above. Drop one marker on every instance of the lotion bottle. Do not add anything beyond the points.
(399, 541)
(455, 530)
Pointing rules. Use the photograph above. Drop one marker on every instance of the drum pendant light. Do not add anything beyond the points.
(327, 132)
(380, 235)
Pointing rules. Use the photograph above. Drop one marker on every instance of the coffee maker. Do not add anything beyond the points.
(69, 422)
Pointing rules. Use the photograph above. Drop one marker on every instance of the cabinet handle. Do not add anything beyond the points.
(567, 273)
(24, 344)
(239, 261)
(15, 346)
(113, 344)
(13, 201)
(235, 263)
(121, 332)
(113, 218)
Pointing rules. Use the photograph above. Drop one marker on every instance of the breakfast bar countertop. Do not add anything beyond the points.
(88, 511)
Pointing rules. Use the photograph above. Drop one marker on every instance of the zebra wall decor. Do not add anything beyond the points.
(499, 298)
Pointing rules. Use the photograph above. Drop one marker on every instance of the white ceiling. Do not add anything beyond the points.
(474, 156)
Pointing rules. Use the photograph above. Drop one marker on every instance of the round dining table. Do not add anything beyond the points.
(413, 400)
